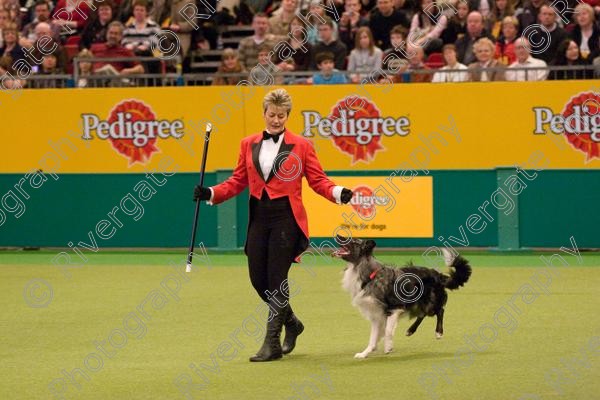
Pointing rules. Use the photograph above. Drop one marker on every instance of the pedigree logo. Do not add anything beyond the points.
(132, 129)
(364, 201)
(356, 127)
(579, 121)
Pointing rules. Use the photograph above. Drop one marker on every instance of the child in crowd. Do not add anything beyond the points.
(328, 75)
(366, 58)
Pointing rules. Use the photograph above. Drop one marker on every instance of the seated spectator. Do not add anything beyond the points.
(316, 16)
(42, 14)
(395, 56)
(457, 24)
(500, 10)
(300, 59)
(382, 20)
(43, 30)
(365, 58)
(426, 27)
(4, 21)
(449, 53)
(248, 47)
(86, 69)
(95, 30)
(538, 68)
(414, 70)
(182, 16)
(14, 11)
(279, 25)
(178, 16)
(113, 48)
(568, 55)
(505, 46)
(528, 15)
(328, 74)
(478, 71)
(141, 35)
(11, 47)
(586, 33)
(71, 15)
(265, 73)
(475, 31)
(327, 43)
(230, 64)
(8, 76)
(548, 21)
(350, 20)
(482, 6)
(49, 66)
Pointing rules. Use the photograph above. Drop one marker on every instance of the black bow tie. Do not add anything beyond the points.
(275, 137)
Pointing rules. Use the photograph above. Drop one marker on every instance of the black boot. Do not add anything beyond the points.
(293, 329)
(271, 348)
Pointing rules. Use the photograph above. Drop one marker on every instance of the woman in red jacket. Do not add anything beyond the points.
(272, 164)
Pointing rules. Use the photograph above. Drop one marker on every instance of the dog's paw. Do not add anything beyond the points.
(362, 355)
(409, 333)
(438, 335)
(388, 349)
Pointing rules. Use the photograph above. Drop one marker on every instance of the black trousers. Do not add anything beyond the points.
(273, 236)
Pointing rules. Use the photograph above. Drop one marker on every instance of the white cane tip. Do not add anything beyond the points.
(188, 268)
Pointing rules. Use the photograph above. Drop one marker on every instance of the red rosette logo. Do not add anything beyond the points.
(582, 123)
(133, 111)
(364, 201)
(132, 129)
(347, 121)
(355, 126)
(363, 208)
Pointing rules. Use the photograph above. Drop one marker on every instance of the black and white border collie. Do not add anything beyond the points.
(384, 293)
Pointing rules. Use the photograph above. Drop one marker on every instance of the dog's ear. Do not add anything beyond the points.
(341, 240)
(370, 245)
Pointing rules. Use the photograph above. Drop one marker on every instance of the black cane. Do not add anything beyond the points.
(188, 267)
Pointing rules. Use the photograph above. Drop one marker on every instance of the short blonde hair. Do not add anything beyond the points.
(587, 8)
(484, 42)
(278, 98)
(509, 19)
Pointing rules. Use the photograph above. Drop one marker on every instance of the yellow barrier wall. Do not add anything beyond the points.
(421, 126)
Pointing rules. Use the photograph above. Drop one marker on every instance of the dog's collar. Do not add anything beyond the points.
(374, 274)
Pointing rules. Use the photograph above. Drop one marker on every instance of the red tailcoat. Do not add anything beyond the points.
(296, 159)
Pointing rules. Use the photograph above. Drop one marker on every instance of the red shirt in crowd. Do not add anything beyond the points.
(101, 50)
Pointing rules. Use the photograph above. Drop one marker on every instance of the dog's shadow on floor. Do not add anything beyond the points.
(396, 356)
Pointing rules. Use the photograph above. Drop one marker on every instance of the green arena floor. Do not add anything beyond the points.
(127, 325)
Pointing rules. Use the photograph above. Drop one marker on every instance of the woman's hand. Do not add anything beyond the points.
(201, 193)
(346, 196)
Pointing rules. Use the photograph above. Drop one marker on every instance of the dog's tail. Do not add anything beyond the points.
(461, 270)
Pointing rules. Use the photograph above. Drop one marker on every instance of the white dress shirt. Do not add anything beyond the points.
(521, 75)
(266, 158)
(268, 153)
(455, 76)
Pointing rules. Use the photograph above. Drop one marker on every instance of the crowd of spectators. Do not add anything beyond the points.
(40, 37)
(408, 41)
(332, 41)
